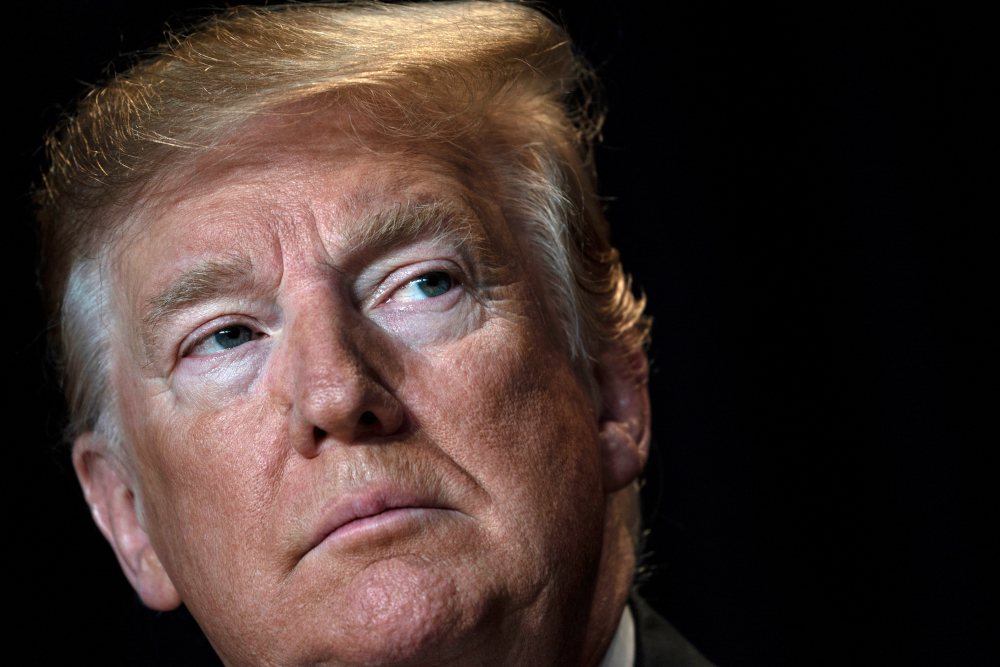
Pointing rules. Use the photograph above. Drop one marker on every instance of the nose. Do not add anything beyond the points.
(338, 394)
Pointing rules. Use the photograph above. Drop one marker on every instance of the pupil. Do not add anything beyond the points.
(233, 336)
(435, 284)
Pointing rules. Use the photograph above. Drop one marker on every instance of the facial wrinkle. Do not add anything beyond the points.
(203, 282)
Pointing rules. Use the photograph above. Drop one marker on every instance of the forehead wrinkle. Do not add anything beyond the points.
(206, 280)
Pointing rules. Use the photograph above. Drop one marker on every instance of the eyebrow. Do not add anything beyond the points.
(203, 282)
(390, 227)
(439, 221)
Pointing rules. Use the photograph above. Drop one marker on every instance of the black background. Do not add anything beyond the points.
(808, 197)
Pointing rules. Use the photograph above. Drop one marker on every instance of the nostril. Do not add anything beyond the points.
(318, 434)
(368, 418)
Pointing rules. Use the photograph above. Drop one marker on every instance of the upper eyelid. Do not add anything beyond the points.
(195, 287)
(390, 259)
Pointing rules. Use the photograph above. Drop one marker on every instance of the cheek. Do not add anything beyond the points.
(523, 399)
(209, 485)
(513, 416)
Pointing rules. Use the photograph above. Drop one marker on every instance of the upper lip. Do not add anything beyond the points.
(374, 499)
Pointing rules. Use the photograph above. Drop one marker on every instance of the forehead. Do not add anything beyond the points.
(314, 160)
(287, 175)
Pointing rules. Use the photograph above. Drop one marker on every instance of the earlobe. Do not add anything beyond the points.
(112, 505)
(625, 418)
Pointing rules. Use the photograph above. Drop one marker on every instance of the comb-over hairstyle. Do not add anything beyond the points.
(443, 71)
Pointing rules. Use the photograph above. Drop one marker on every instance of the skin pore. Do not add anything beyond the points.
(350, 434)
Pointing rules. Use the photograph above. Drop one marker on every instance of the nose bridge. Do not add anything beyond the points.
(336, 395)
(328, 369)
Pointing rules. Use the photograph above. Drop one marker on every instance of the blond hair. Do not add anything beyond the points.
(436, 71)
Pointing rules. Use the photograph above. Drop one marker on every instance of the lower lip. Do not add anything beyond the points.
(388, 521)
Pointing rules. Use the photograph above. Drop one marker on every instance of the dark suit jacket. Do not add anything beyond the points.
(657, 643)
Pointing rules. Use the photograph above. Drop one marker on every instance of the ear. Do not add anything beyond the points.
(624, 420)
(112, 504)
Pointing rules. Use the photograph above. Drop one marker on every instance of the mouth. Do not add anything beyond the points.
(374, 510)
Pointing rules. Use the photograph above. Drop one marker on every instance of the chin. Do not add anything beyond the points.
(399, 611)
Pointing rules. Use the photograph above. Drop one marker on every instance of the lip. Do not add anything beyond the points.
(377, 506)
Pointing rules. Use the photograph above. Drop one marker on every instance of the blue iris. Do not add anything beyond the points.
(233, 336)
(434, 284)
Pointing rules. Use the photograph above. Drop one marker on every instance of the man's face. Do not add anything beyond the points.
(353, 431)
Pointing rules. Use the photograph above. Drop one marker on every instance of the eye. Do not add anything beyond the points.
(224, 339)
(427, 286)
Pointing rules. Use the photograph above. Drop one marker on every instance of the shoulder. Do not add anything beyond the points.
(657, 643)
